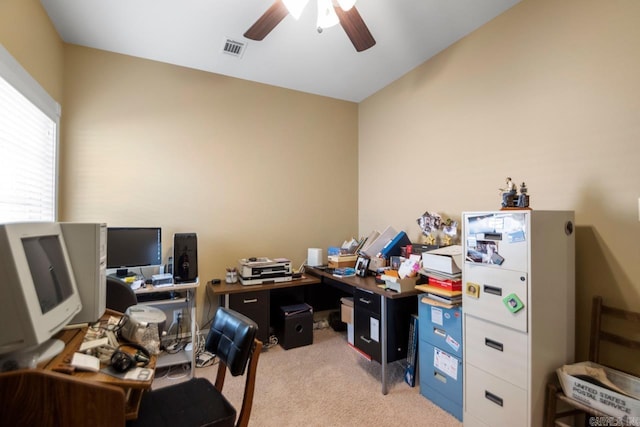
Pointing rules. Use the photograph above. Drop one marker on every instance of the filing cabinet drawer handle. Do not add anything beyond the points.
(492, 290)
(365, 340)
(440, 377)
(492, 397)
(248, 301)
(492, 236)
(366, 301)
(493, 344)
(439, 332)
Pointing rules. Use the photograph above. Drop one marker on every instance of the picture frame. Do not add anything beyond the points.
(362, 265)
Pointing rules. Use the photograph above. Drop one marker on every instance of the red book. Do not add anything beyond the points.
(448, 284)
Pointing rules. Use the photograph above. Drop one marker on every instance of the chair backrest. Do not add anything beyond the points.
(613, 325)
(47, 398)
(120, 296)
(231, 339)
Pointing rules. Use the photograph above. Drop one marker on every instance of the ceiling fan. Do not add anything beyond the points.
(328, 14)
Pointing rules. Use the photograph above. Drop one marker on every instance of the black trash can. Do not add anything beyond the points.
(295, 326)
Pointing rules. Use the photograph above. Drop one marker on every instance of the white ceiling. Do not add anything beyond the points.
(191, 33)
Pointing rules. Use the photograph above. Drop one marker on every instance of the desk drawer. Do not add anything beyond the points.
(449, 405)
(494, 285)
(367, 300)
(255, 305)
(494, 401)
(441, 371)
(498, 350)
(366, 328)
(441, 326)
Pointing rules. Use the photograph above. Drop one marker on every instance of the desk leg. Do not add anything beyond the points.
(383, 342)
(191, 296)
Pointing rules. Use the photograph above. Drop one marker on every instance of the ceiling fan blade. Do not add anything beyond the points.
(268, 21)
(355, 28)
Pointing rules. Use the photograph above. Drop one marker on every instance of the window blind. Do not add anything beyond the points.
(29, 121)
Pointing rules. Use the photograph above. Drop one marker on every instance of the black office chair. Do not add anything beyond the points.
(197, 402)
(120, 296)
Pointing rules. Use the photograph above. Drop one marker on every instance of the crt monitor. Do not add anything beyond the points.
(38, 292)
(133, 247)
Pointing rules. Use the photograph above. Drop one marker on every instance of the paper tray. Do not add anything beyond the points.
(602, 399)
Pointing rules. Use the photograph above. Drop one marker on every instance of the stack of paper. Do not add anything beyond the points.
(443, 296)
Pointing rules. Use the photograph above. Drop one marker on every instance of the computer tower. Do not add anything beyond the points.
(87, 249)
(185, 257)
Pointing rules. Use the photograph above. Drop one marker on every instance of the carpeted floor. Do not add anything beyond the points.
(328, 384)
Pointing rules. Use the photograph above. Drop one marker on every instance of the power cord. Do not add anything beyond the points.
(205, 359)
(273, 340)
(183, 374)
(176, 344)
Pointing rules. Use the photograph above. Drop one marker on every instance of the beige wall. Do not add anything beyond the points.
(28, 34)
(254, 170)
(547, 93)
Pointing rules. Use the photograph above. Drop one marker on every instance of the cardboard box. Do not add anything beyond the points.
(401, 285)
(375, 263)
(340, 261)
(600, 398)
(346, 310)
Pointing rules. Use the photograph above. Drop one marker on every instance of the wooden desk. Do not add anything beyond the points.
(62, 363)
(395, 308)
(401, 305)
(254, 301)
(236, 288)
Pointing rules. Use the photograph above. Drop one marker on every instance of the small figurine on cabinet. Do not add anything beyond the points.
(510, 198)
(523, 197)
(508, 192)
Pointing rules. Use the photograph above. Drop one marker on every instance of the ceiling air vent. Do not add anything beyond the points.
(232, 47)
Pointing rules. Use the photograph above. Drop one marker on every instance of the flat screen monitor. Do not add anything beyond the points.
(38, 292)
(133, 247)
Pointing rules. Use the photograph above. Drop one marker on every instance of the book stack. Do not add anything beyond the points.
(441, 296)
(342, 260)
(449, 284)
(344, 272)
(442, 268)
(346, 255)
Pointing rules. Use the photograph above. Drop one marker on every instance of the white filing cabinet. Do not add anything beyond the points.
(519, 317)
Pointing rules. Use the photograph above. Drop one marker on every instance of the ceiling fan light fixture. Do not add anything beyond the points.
(346, 5)
(295, 7)
(326, 14)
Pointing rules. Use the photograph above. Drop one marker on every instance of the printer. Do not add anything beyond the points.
(257, 271)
